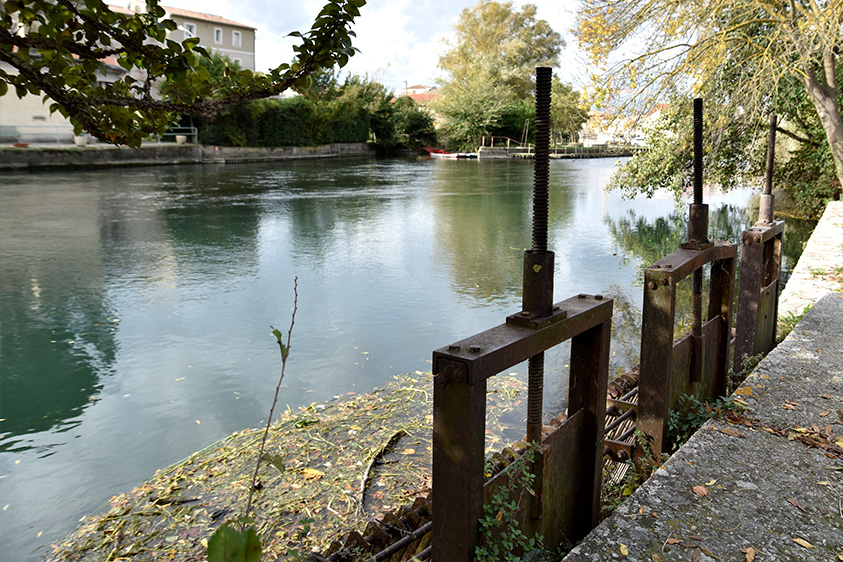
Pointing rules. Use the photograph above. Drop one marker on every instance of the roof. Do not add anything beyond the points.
(186, 14)
(204, 17)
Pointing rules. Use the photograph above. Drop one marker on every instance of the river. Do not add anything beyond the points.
(136, 304)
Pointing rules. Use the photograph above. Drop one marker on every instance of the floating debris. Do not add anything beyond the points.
(333, 466)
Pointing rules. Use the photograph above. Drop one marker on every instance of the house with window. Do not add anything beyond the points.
(217, 34)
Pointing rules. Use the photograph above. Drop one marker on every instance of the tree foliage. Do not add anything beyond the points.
(740, 55)
(56, 48)
(503, 45)
(490, 65)
(568, 110)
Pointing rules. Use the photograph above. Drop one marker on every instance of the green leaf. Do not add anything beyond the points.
(3, 88)
(276, 461)
(230, 545)
(277, 333)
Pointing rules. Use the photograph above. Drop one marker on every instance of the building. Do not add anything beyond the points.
(217, 34)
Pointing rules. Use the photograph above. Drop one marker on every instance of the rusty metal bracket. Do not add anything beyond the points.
(488, 353)
(618, 451)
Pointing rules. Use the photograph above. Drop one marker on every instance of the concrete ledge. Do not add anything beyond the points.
(54, 156)
(763, 489)
(814, 275)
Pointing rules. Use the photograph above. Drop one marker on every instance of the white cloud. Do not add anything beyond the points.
(399, 40)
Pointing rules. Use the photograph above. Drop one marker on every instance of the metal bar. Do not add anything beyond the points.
(589, 376)
(657, 328)
(488, 353)
(404, 542)
(765, 210)
(459, 424)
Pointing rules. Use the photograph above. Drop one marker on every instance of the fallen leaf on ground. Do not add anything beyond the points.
(749, 552)
(744, 391)
(711, 483)
(788, 407)
(656, 558)
(824, 413)
(803, 542)
(673, 541)
(312, 473)
(731, 432)
(795, 504)
(700, 491)
(697, 554)
(624, 550)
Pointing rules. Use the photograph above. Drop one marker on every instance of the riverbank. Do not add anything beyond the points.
(40, 156)
(723, 495)
(333, 465)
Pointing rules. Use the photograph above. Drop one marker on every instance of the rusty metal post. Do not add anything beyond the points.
(697, 240)
(758, 297)
(765, 212)
(458, 460)
(538, 269)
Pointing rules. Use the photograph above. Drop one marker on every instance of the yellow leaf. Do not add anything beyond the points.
(749, 553)
(624, 550)
(744, 391)
(312, 474)
(839, 442)
(803, 542)
(656, 558)
(823, 483)
(712, 483)
(409, 451)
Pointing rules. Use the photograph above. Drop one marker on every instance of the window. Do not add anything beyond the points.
(217, 35)
(189, 29)
(236, 39)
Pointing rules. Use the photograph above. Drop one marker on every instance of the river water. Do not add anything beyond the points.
(136, 304)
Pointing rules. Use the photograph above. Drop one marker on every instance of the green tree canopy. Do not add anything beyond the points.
(56, 48)
(490, 66)
(568, 110)
(503, 45)
(739, 54)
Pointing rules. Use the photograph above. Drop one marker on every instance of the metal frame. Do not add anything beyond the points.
(570, 465)
(670, 369)
(758, 296)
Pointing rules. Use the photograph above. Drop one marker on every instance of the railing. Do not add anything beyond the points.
(191, 134)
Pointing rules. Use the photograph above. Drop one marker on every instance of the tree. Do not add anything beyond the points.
(470, 108)
(737, 53)
(490, 64)
(56, 47)
(567, 109)
(503, 44)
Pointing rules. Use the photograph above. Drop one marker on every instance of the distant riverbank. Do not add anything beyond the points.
(60, 156)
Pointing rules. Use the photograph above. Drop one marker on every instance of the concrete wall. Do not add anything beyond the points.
(46, 156)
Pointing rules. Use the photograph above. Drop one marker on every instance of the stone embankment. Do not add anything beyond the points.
(770, 486)
(55, 156)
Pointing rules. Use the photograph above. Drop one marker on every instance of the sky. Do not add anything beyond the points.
(400, 41)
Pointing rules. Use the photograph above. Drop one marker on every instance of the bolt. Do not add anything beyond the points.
(663, 280)
(454, 347)
(582, 296)
(524, 313)
(598, 297)
(651, 285)
(474, 349)
(747, 242)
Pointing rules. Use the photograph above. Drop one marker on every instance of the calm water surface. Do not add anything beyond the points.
(135, 304)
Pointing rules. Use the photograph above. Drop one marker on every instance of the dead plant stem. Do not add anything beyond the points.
(285, 350)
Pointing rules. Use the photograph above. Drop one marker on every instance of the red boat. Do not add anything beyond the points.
(439, 153)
